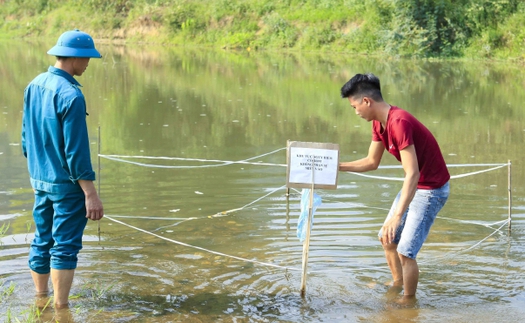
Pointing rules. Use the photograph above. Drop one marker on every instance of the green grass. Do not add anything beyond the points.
(90, 292)
(417, 28)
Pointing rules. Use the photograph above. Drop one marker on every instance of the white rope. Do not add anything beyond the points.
(453, 254)
(150, 217)
(121, 158)
(478, 172)
(292, 268)
(475, 165)
(199, 248)
(472, 222)
(225, 213)
(490, 235)
(451, 177)
(448, 165)
(216, 215)
(235, 257)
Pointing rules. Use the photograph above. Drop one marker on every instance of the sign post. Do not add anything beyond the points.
(311, 165)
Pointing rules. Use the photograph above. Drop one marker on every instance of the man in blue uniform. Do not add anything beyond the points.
(56, 145)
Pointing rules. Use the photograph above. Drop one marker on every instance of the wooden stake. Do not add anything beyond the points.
(306, 244)
(287, 162)
(98, 222)
(510, 194)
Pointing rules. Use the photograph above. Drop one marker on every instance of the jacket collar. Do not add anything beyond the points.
(64, 74)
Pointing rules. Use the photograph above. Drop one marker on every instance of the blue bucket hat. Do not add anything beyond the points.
(75, 43)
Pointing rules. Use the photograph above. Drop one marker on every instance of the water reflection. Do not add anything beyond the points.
(193, 103)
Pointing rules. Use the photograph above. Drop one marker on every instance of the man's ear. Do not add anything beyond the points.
(367, 101)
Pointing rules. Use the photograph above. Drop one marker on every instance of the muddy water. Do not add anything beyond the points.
(197, 241)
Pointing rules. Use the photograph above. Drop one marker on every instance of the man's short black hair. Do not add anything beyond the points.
(363, 85)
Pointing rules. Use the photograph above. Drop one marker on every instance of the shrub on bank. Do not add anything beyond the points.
(421, 28)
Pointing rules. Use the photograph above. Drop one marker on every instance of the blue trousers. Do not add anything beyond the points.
(60, 221)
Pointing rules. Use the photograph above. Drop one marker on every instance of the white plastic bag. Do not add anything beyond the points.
(303, 218)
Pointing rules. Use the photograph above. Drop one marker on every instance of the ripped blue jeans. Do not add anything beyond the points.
(417, 219)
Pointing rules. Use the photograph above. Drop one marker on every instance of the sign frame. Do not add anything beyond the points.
(313, 146)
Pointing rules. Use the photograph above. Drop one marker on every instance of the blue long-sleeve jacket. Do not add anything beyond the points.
(54, 133)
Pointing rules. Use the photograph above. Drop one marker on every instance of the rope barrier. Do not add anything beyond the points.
(478, 172)
(451, 177)
(111, 218)
(123, 158)
(198, 248)
(453, 254)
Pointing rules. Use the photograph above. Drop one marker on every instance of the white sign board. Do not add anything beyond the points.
(310, 162)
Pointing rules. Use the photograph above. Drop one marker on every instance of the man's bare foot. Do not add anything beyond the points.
(398, 282)
(392, 292)
(42, 300)
(63, 315)
(407, 301)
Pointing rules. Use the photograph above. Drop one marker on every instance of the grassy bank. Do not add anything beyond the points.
(420, 28)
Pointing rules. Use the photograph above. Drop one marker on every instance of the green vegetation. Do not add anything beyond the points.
(6, 291)
(3, 230)
(416, 28)
(41, 310)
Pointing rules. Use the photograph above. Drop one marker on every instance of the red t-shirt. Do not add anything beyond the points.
(403, 130)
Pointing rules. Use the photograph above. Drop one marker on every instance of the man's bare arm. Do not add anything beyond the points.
(411, 168)
(370, 162)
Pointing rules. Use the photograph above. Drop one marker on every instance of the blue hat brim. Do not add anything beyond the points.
(74, 52)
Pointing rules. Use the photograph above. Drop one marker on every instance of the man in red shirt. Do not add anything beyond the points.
(425, 187)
